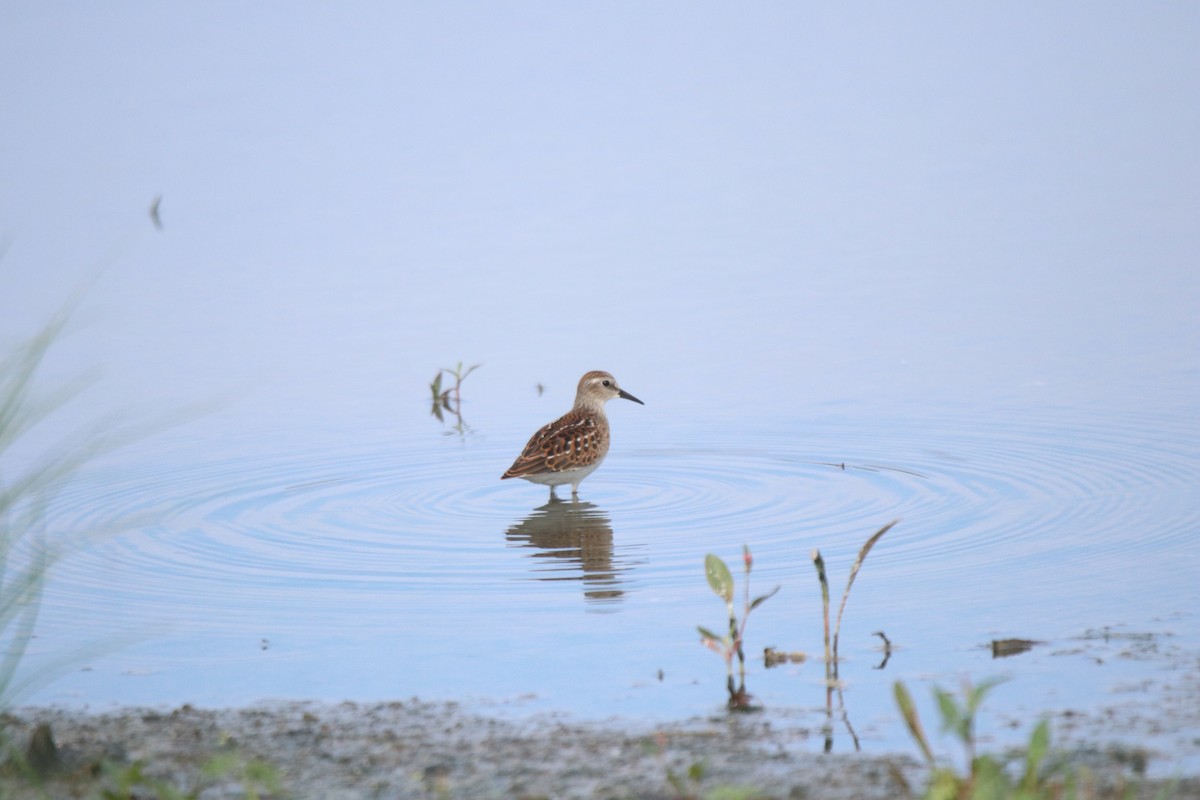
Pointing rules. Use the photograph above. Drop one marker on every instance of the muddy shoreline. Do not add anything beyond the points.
(416, 749)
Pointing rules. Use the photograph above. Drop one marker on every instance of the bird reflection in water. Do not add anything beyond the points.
(573, 541)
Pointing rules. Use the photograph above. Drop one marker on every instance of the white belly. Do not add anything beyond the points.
(571, 476)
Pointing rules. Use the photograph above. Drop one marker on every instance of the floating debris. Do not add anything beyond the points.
(773, 657)
(154, 217)
(887, 649)
(1003, 648)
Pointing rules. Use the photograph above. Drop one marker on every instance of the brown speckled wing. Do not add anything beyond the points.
(574, 440)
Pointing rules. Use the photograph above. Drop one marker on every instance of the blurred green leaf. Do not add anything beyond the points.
(733, 793)
(1039, 746)
(989, 779)
(908, 710)
(952, 715)
(976, 695)
(943, 785)
(707, 634)
(719, 577)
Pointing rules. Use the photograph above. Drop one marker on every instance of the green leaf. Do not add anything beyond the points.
(989, 778)
(975, 696)
(952, 716)
(719, 577)
(908, 710)
(1039, 745)
(707, 634)
(759, 600)
(944, 785)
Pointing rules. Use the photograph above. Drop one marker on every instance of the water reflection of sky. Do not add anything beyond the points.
(956, 252)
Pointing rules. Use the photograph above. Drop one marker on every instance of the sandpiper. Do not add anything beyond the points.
(570, 448)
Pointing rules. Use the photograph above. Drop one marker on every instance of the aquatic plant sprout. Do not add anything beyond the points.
(720, 580)
(450, 399)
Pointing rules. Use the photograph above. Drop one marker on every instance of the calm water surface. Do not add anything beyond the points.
(375, 564)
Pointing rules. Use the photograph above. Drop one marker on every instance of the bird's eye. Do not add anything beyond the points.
(606, 383)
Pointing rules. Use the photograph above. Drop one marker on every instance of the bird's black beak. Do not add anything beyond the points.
(628, 396)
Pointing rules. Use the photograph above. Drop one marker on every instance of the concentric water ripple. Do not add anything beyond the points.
(417, 537)
(972, 493)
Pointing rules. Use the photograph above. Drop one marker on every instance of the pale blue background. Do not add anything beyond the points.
(937, 202)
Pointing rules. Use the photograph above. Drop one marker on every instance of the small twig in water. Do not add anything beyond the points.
(887, 649)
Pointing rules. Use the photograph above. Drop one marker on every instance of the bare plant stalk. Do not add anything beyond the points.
(747, 564)
(858, 562)
(735, 648)
(819, 563)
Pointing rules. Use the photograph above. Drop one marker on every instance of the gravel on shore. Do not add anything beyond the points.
(417, 749)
